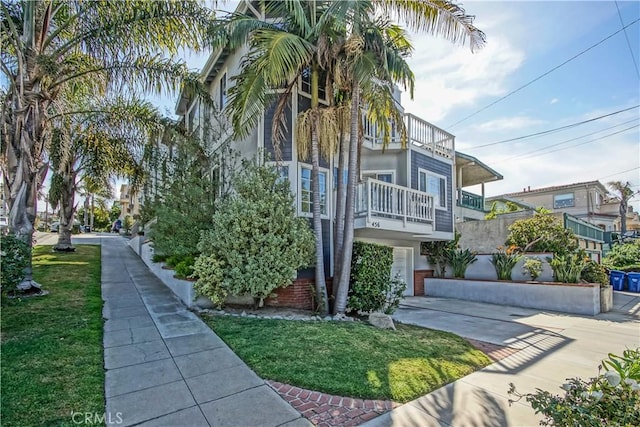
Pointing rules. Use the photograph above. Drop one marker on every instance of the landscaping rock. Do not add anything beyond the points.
(382, 321)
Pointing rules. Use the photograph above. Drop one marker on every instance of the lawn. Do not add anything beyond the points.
(52, 346)
(350, 359)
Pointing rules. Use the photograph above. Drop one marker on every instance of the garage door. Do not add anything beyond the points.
(403, 267)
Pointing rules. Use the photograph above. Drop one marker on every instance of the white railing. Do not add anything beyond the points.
(380, 199)
(420, 133)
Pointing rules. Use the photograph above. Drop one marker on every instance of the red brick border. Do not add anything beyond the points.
(326, 410)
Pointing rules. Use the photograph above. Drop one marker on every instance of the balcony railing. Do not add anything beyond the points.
(380, 199)
(420, 133)
(471, 201)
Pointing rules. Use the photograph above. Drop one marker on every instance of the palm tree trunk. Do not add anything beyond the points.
(67, 209)
(341, 196)
(321, 284)
(347, 251)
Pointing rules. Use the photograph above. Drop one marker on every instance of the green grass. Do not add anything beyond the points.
(52, 346)
(350, 359)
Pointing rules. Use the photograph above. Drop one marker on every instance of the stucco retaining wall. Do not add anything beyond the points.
(565, 297)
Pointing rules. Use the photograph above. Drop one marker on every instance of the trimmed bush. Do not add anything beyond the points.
(14, 255)
(625, 257)
(257, 238)
(372, 288)
(185, 267)
(595, 273)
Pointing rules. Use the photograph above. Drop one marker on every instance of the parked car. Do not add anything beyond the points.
(55, 226)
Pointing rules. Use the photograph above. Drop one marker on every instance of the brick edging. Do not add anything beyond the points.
(326, 410)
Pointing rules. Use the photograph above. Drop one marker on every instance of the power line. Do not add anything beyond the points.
(619, 173)
(626, 36)
(542, 75)
(586, 142)
(546, 132)
(564, 142)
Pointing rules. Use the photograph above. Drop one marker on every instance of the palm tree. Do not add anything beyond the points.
(280, 52)
(95, 147)
(50, 48)
(624, 193)
(377, 55)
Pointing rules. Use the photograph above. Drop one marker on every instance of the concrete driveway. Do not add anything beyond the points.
(551, 347)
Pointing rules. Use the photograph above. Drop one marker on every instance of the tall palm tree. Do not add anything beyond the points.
(378, 54)
(95, 147)
(52, 47)
(624, 193)
(280, 52)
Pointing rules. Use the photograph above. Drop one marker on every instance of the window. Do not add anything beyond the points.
(305, 84)
(345, 177)
(284, 173)
(563, 201)
(386, 176)
(434, 184)
(306, 204)
(222, 91)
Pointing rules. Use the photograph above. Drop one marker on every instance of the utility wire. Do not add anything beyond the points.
(626, 36)
(561, 143)
(583, 143)
(541, 76)
(619, 173)
(546, 132)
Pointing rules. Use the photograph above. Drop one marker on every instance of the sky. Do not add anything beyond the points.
(461, 92)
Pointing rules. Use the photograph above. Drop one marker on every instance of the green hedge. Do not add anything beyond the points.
(372, 288)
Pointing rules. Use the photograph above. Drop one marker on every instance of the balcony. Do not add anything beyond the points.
(420, 134)
(470, 201)
(381, 207)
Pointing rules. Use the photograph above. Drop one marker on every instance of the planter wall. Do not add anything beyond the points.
(562, 297)
(484, 270)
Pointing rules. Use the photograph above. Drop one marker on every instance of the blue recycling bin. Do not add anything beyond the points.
(633, 281)
(616, 279)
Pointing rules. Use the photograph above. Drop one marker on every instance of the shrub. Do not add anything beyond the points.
(611, 398)
(541, 233)
(14, 254)
(504, 261)
(459, 260)
(185, 267)
(372, 288)
(568, 268)
(623, 256)
(532, 267)
(595, 273)
(257, 236)
(438, 252)
(209, 273)
(159, 257)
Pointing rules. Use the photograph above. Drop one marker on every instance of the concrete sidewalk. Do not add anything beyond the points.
(552, 347)
(164, 366)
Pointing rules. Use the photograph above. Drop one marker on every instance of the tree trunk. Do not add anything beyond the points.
(321, 285)
(67, 210)
(87, 206)
(623, 215)
(347, 250)
(23, 169)
(93, 210)
(341, 195)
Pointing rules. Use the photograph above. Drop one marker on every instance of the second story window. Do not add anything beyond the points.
(306, 203)
(563, 201)
(305, 84)
(222, 91)
(434, 184)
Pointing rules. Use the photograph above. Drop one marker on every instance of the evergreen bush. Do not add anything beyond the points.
(14, 258)
(372, 288)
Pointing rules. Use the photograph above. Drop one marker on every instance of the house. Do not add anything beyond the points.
(588, 201)
(129, 202)
(405, 196)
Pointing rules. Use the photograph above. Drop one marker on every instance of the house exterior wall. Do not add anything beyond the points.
(444, 218)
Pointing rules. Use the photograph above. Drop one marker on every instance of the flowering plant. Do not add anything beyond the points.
(611, 398)
(504, 261)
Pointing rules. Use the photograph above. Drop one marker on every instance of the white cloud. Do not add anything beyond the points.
(448, 77)
(506, 123)
(553, 101)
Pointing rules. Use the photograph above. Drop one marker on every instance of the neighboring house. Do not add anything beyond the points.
(404, 197)
(487, 235)
(129, 202)
(588, 201)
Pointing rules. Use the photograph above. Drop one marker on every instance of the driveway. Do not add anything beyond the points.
(551, 347)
